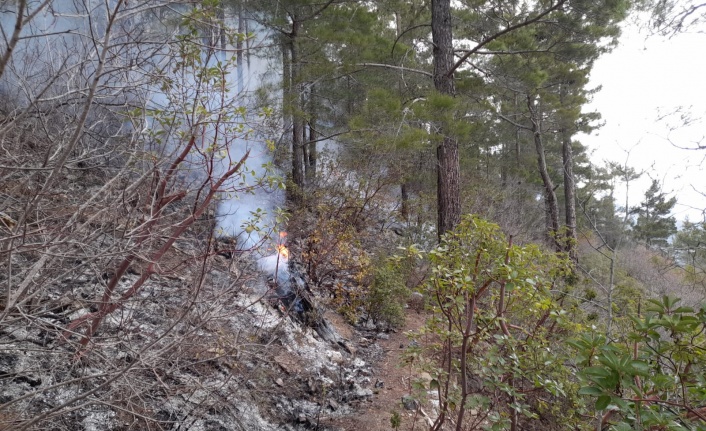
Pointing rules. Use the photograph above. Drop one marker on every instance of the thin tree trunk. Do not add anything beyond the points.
(550, 200)
(247, 43)
(297, 119)
(222, 28)
(517, 141)
(569, 194)
(448, 167)
(505, 156)
(349, 98)
(311, 150)
(239, 49)
(292, 124)
(404, 204)
(286, 89)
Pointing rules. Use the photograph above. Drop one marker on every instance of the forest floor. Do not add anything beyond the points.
(375, 414)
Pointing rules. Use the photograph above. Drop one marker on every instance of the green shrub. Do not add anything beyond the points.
(388, 293)
(494, 339)
(653, 378)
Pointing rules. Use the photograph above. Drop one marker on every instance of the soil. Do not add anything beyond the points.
(375, 413)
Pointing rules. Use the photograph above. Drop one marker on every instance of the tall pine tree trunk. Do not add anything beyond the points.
(286, 96)
(569, 194)
(311, 150)
(569, 184)
(294, 100)
(448, 167)
(550, 200)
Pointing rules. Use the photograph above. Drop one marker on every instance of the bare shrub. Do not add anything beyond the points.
(111, 301)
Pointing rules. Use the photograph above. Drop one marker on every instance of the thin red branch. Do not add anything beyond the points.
(106, 306)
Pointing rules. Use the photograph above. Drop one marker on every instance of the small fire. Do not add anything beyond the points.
(281, 249)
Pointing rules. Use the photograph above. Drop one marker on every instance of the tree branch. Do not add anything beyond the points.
(391, 66)
(502, 33)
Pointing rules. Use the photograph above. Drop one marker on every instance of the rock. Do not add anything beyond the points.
(416, 302)
(335, 357)
(383, 336)
(358, 363)
(326, 331)
(426, 378)
(333, 404)
(279, 382)
(288, 363)
(368, 325)
(361, 392)
(364, 342)
(312, 386)
(347, 347)
(397, 228)
(409, 403)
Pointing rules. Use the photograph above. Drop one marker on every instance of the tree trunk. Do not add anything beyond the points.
(311, 153)
(448, 167)
(222, 28)
(247, 44)
(349, 96)
(294, 100)
(569, 187)
(404, 205)
(569, 196)
(550, 201)
(286, 88)
(239, 50)
(518, 131)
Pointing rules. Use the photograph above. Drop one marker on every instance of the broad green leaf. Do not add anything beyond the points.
(602, 402)
(590, 390)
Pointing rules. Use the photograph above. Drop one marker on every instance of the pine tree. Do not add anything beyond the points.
(690, 250)
(654, 225)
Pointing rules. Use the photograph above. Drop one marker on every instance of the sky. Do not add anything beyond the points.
(648, 82)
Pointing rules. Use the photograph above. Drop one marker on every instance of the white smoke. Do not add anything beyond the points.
(251, 216)
(248, 209)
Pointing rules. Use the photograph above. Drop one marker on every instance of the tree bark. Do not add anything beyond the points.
(550, 200)
(239, 50)
(294, 100)
(404, 204)
(569, 186)
(569, 196)
(311, 150)
(447, 155)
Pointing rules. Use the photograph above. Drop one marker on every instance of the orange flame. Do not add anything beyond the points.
(281, 249)
(283, 252)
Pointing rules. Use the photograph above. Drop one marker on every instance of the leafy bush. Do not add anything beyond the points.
(494, 344)
(387, 294)
(654, 378)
